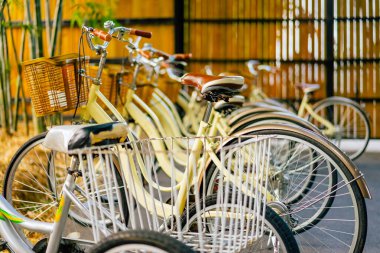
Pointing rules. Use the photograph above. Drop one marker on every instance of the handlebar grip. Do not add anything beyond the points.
(182, 56)
(102, 35)
(141, 33)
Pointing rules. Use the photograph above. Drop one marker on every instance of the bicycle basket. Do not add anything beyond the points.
(166, 189)
(53, 83)
(108, 87)
(169, 87)
(117, 81)
(144, 87)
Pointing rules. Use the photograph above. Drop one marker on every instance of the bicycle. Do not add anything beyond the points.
(98, 145)
(346, 169)
(172, 125)
(140, 241)
(340, 119)
(301, 228)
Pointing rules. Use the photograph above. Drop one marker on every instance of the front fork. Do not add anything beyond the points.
(63, 208)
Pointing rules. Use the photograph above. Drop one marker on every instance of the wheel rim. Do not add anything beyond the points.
(34, 187)
(319, 214)
(269, 242)
(349, 124)
(136, 247)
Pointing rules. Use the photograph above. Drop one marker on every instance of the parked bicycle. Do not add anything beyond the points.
(320, 165)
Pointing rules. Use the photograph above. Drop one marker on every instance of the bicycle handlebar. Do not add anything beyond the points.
(255, 66)
(108, 36)
(181, 57)
(102, 35)
(140, 33)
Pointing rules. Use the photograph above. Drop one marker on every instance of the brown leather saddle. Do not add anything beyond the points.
(214, 88)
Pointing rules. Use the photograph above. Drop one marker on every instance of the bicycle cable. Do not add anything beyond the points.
(80, 77)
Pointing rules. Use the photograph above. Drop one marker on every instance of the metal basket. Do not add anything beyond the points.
(226, 220)
(53, 84)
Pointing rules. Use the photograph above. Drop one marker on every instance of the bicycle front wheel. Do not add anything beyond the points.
(351, 131)
(228, 226)
(33, 182)
(140, 241)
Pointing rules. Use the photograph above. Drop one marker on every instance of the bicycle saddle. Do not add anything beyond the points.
(307, 87)
(67, 138)
(214, 88)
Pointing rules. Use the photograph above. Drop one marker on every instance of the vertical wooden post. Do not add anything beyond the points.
(329, 46)
(179, 13)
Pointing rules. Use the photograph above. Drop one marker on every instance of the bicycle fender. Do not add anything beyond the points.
(340, 99)
(354, 171)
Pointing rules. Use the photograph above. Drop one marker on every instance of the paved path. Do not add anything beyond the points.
(369, 164)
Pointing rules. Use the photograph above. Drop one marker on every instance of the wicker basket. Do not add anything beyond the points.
(53, 84)
(108, 87)
(116, 83)
(144, 86)
(169, 87)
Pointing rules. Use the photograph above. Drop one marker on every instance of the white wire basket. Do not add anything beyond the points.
(156, 185)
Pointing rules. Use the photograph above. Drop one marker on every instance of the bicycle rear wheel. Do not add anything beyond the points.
(32, 184)
(352, 128)
(314, 189)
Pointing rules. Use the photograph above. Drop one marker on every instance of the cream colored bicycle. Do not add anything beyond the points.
(342, 120)
(326, 161)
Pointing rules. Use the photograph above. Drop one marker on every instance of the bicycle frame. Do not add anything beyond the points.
(306, 107)
(9, 215)
(92, 110)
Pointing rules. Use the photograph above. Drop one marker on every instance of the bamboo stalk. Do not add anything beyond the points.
(56, 27)
(38, 23)
(19, 69)
(19, 83)
(47, 23)
(38, 49)
(28, 18)
(2, 78)
(5, 96)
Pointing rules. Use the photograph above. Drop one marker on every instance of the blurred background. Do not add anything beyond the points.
(333, 43)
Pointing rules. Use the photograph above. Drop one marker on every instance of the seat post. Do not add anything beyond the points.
(207, 114)
(304, 102)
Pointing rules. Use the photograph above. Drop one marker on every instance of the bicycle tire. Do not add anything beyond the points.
(212, 177)
(355, 195)
(15, 170)
(140, 238)
(331, 104)
(272, 117)
(273, 221)
(278, 118)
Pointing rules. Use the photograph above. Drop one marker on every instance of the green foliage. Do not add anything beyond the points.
(92, 14)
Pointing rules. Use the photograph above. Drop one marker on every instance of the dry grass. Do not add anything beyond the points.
(9, 144)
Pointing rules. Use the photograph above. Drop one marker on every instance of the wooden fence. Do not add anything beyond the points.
(333, 43)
